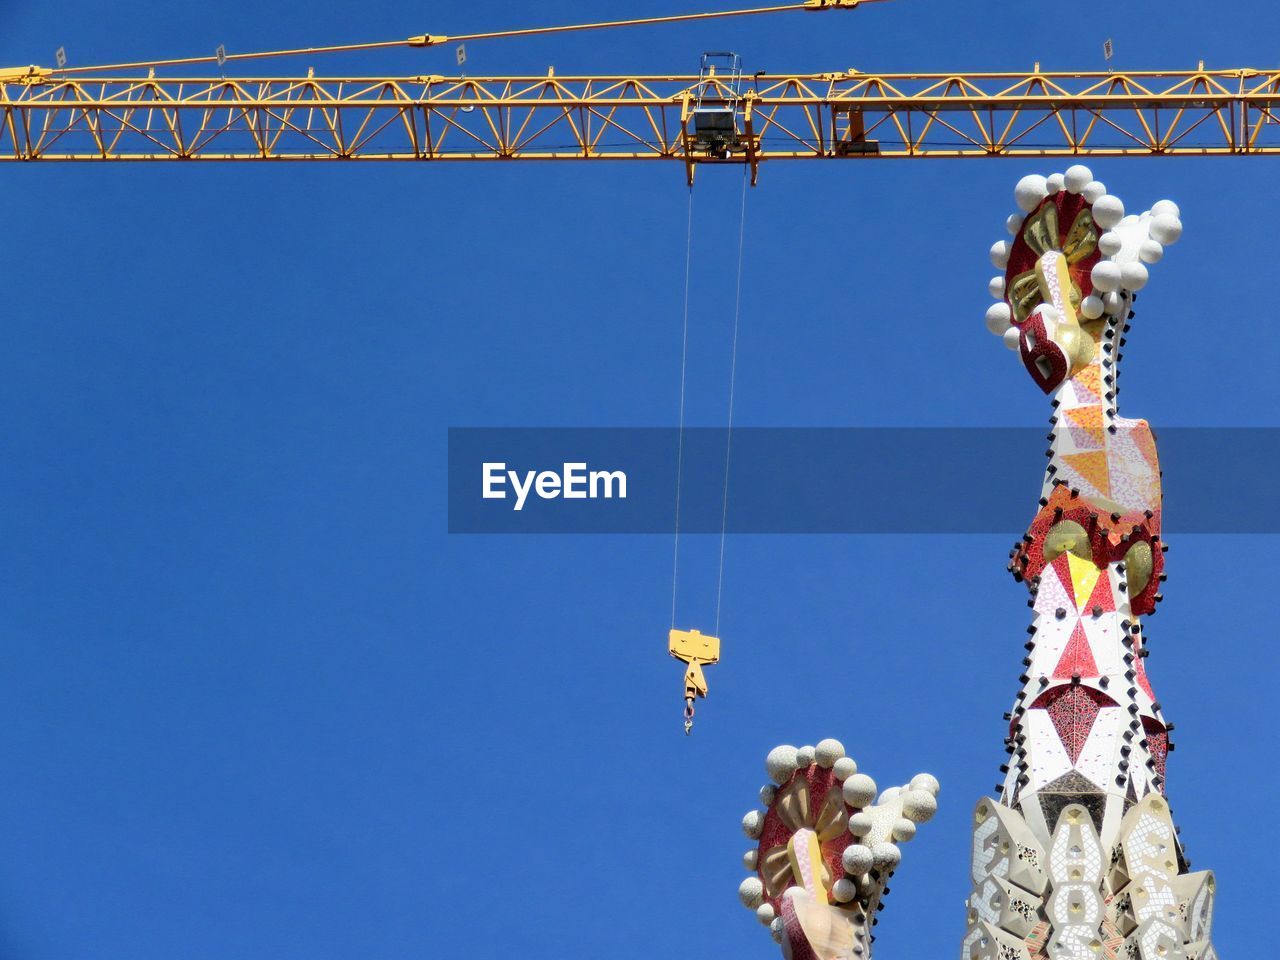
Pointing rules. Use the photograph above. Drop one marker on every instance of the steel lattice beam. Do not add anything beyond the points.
(851, 115)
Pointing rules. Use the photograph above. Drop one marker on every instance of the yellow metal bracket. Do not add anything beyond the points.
(427, 40)
(749, 135)
(686, 140)
(695, 682)
(28, 75)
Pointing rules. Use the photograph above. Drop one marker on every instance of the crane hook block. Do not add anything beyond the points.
(695, 649)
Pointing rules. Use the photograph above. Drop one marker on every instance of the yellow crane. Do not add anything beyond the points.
(126, 112)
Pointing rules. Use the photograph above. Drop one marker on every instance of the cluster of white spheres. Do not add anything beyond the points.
(906, 806)
(1128, 244)
(782, 762)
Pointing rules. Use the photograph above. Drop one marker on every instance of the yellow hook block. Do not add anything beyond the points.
(695, 649)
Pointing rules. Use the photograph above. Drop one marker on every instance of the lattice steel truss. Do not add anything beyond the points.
(823, 116)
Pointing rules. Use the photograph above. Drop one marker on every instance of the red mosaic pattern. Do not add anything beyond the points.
(1109, 540)
(1157, 745)
(1140, 675)
(1043, 358)
(1077, 660)
(1102, 598)
(801, 949)
(1073, 709)
(776, 833)
(1022, 258)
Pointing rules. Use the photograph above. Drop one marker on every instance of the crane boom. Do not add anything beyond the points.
(849, 115)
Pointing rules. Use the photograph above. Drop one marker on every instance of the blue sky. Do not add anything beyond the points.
(255, 702)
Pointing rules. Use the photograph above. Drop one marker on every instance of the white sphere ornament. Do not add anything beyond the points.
(886, 855)
(844, 890)
(1106, 276)
(1014, 223)
(919, 805)
(995, 286)
(889, 795)
(1092, 307)
(1113, 303)
(1133, 275)
(752, 824)
(857, 859)
(768, 793)
(1077, 178)
(999, 316)
(1012, 338)
(926, 781)
(781, 763)
(1094, 191)
(1030, 190)
(1108, 211)
(860, 824)
(1055, 183)
(1000, 254)
(751, 859)
(776, 929)
(1150, 251)
(1166, 228)
(751, 892)
(903, 830)
(1110, 243)
(805, 757)
(827, 752)
(1165, 208)
(844, 768)
(765, 913)
(859, 790)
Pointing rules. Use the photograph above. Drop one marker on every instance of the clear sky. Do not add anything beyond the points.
(256, 702)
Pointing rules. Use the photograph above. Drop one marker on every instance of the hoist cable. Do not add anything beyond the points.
(684, 365)
(429, 40)
(733, 376)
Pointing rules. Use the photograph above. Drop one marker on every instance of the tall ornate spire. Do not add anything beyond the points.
(1079, 858)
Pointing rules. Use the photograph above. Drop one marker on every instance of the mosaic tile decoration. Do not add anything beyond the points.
(1084, 786)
